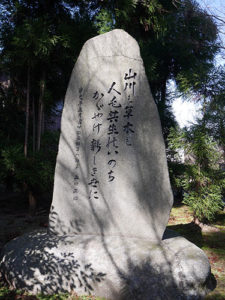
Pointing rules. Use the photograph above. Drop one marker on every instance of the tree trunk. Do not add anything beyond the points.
(40, 111)
(163, 94)
(31, 199)
(162, 105)
(32, 204)
(43, 121)
(223, 148)
(27, 111)
(205, 227)
(34, 125)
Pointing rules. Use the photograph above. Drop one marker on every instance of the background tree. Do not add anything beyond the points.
(39, 41)
(214, 107)
(40, 38)
(202, 180)
(177, 39)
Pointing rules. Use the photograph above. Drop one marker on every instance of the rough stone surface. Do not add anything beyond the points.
(107, 266)
(112, 195)
(111, 174)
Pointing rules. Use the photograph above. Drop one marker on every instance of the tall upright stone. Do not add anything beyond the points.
(112, 195)
(111, 174)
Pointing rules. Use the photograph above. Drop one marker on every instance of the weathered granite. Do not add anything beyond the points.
(107, 266)
(120, 185)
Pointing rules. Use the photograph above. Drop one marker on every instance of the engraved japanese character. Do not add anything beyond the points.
(113, 116)
(128, 112)
(94, 171)
(111, 177)
(129, 76)
(128, 143)
(112, 162)
(98, 125)
(114, 103)
(80, 94)
(93, 182)
(98, 115)
(95, 145)
(127, 128)
(96, 195)
(96, 96)
(112, 129)
(111, 88)
(112, 141)
(130, 85)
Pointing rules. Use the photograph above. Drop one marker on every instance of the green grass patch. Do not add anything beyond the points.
(7, 294)
(220, 219)
(215, 240)
(213, 296)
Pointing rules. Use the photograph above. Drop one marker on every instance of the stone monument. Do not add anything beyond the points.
(112, 195)
(110, 144)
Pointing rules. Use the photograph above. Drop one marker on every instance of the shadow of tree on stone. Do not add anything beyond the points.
(75, 226)
(145, 282)
(43, 264)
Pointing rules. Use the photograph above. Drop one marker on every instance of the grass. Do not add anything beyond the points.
(212, 243)
(6, 294)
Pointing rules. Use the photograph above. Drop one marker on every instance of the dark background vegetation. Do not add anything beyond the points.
(179, 41)
(39, 44)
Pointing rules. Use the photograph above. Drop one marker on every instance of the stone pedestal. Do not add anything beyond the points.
(112, 267)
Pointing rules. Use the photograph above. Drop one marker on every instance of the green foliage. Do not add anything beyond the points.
(214, 107)
(10, 157)
(44, 38)
(178, 41)
(35, 172)
(203, 181)
(104, 21)
(206, 202)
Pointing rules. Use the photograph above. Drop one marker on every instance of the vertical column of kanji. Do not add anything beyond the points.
(112, 132)
(77, 146)
(129, 89)
(95, 145)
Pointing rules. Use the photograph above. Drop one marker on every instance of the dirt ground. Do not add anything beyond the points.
(15, 219)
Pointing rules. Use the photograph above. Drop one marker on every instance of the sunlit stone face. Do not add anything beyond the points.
(111, 174)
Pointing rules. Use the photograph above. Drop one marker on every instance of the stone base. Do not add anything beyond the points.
(111, 267)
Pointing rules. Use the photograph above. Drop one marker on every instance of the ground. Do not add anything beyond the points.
(14, 221)
(210, 241)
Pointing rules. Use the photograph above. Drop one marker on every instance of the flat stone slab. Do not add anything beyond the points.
(111, 267)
